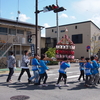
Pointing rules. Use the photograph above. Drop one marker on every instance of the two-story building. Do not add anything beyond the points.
(17, 36)
(83, 34)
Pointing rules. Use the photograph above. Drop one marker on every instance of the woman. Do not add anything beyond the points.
(24, 65)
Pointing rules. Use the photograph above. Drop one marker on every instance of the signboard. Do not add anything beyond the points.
(88, 47)
(32, 50)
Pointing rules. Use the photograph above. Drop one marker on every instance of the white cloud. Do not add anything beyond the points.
(11, 13)
(73, 17)
(46, 25)
(96, 19)
(87, 5)
(63, 16)
(23, 17)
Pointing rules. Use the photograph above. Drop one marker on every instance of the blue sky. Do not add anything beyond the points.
(77, 11)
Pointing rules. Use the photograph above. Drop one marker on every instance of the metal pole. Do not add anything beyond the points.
(57, 23)
(36, 30)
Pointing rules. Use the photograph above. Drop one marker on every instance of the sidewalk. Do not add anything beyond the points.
(6, 70)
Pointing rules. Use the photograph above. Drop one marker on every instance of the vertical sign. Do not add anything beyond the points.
(32, 50)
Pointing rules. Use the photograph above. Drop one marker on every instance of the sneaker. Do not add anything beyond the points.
(66, 85)
(18, 81)
(58, 85)
(79, 80)
(40, 85)
(45, 85)
(9, 82)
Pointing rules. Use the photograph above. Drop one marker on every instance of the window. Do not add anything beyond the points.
(77, 38)
(29, 32)
(20, 31)
(75, 27)
(55, 31)
(94, 38)
(99, 38)
(12, 31)
(52, 30)
(62, 31)
(48, 40)
(3, 30)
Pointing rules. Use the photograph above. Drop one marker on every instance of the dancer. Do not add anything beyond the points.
(11, 64)
(24, 65)
(35, 69)
(42, 70)
(95, 71)
(89, 76)
(62, 73)
(81, 63)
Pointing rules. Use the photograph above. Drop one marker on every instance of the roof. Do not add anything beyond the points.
(6, 21)
(74, 24)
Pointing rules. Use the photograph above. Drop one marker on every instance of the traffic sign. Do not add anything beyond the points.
(88, 47)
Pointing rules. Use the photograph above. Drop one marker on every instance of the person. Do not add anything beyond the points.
(62, 73)
(96, 58)
(89, 76)
(81, 64)
(42, 70)
(35, 69)
(24, 65)
(11, 64)
(95, 71)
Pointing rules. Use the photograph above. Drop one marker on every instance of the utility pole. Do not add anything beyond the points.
(57, 23)
(36, 27)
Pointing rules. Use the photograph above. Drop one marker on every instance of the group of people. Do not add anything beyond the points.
(39, 67)
(89, 67)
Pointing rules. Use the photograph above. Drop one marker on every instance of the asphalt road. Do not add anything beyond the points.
(75, 91)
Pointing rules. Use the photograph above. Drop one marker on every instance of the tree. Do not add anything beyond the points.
(51, 53)
(95, 43)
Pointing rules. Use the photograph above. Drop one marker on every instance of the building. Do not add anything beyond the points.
(85, 35)
(17, 36)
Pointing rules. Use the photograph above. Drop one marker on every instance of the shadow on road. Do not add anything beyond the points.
(82, 86)
(26, 86)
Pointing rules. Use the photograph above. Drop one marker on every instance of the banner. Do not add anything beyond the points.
(32, 50)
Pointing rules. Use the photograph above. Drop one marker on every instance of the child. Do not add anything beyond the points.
(11, 63)
(24, 65)
(42, 70)
(81, 63)
(35, 69)
(95, 71)
(62, 72)
(89, 77)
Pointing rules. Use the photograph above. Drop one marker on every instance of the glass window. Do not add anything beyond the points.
(55, 31)
(3, 30)
(77, 38)
(62, 31)
(75, 27)
(12, 31)
(99, 38)
(20, 31)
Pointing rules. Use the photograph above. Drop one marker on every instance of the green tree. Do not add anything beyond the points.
(51, 53)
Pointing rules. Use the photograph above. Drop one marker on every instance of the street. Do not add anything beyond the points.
(75, 91)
